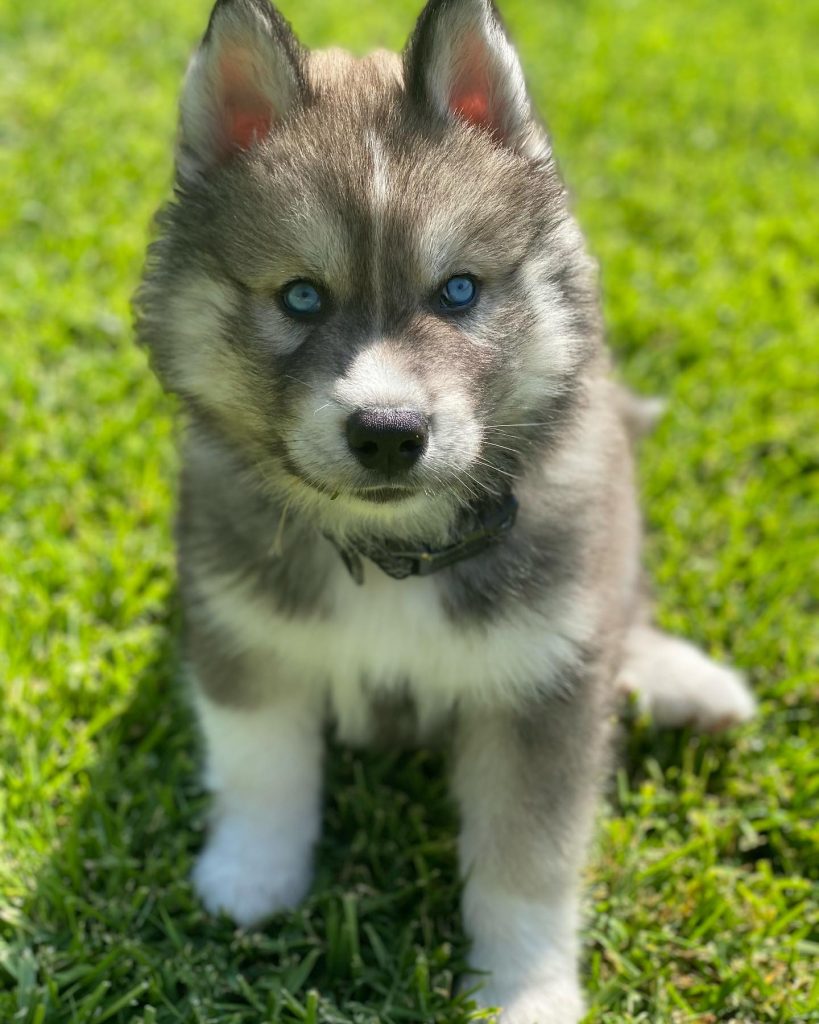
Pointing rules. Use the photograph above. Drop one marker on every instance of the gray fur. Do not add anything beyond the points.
(373, 181)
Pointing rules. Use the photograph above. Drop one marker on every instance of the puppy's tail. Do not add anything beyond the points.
(639, 414)
(676, 684)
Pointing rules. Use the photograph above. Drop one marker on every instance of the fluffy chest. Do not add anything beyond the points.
(393, 639)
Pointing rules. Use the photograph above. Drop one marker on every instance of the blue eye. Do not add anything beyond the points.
(459, 292)
(301, 298)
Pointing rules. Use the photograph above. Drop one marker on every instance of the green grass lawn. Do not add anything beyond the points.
(689, 134)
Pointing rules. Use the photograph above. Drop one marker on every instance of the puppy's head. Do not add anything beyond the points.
(369, 280)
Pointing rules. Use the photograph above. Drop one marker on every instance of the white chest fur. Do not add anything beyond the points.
(394, 635)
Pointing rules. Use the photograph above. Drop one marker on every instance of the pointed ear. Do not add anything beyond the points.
(460, 62)
(245, 76)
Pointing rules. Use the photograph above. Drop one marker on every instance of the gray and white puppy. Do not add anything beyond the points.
(378, 311)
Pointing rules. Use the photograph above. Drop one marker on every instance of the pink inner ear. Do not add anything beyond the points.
(472, 107)
(244, 127)
(247, 112)
(471, 91)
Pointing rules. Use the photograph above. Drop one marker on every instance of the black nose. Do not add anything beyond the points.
(387, 440)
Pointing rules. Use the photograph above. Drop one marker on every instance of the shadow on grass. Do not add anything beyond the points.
(689, 770)
(114, 932)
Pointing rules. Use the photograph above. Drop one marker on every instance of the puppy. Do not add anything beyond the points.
(407, 499)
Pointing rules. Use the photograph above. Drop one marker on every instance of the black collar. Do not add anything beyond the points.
(481, 526)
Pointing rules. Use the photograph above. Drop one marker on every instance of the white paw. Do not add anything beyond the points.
(721, 700)
(249, 874)
(553, 1002)
(676, 684)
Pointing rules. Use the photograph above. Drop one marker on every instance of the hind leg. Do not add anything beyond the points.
(676, 684)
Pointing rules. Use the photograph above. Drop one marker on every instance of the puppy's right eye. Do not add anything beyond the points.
(458, 294)
(300, 298)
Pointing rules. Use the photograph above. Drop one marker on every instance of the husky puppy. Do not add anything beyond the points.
(407, 500)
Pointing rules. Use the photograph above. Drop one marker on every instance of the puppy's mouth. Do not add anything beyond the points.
(379, 494)
(384, 495)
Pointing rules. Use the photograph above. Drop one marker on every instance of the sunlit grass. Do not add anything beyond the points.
(688, 133)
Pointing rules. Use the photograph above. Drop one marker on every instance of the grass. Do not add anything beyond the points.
(688, 134)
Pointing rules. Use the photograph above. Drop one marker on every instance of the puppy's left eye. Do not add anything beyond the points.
(459, 292)
(300, 298)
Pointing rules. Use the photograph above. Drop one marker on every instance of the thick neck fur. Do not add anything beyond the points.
(570, 492)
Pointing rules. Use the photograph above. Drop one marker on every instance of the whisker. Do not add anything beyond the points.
(493, 426)
(504, 447)
(482, 484)
(462, 475)
(495, 469)
(516, 437)
(298, 380)
(462, 483)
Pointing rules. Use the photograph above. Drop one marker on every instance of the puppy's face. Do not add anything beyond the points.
(369, 281)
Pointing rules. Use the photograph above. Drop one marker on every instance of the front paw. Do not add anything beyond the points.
(250, 876)
(551, 1002)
